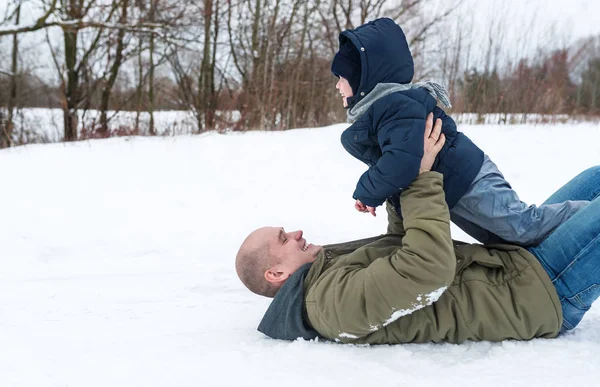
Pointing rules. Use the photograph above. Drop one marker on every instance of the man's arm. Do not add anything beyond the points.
(359, 298)
(395, 224)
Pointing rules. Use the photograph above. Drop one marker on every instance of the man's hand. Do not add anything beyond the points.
(362, 208)
(433, 142)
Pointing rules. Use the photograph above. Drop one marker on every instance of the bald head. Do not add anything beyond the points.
(253, 260)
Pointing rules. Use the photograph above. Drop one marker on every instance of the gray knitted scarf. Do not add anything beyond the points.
(437, 90)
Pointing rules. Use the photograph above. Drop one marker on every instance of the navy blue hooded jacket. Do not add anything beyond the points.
(389, 135)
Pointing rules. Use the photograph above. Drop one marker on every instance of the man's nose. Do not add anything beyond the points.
(297, 234)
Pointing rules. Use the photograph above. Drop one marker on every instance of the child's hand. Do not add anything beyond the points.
(362, 208)
(371, 210)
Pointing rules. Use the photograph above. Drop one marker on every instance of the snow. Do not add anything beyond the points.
(46, 125)
(420, 304)
(117, 262)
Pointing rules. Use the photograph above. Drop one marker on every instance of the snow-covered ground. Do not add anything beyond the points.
(117, 262)
(42, 125)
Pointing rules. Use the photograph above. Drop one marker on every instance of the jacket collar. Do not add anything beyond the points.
(284, 318)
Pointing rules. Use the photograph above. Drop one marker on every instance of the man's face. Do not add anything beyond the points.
(289, 248)
(345, 90)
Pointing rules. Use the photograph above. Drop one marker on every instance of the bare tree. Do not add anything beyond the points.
(152, 50)
(268, 32)
(114, 71)
(85, 24)
(7, 127)
(76, 58)
(195, 67)
(140, 84)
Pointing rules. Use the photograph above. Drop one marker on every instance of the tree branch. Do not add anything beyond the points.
(150, 28)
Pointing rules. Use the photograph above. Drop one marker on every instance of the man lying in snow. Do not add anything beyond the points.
(415, 284)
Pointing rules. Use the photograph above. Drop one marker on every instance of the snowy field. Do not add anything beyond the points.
(42, 125)
(117, 262)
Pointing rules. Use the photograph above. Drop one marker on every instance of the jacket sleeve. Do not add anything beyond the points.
(358, 298)
(400, 137)
(395, 223)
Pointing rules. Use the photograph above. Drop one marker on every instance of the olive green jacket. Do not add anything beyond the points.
(415, 284)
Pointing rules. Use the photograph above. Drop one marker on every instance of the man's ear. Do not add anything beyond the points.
(276, 275)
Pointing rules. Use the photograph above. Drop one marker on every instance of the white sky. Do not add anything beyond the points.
(519, 27)
(578, 18)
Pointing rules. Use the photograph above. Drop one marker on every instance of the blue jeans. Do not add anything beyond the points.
(571, 254)
(491, 211)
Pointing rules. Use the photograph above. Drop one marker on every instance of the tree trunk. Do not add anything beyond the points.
(253, 96)
(151, 72)
(6, 132)
(71, 92)
(210, 118)
(205, 86)
(114, 72)
(140, 87)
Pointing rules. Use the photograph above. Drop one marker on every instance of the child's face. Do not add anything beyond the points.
(345, 90)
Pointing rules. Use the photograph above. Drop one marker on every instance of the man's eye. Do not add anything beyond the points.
(285, 239)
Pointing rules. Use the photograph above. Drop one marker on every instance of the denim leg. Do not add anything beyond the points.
(585, 186)
(492, 204)
(571, 257)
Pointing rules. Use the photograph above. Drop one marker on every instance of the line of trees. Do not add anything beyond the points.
(268, 60)
(544, 87)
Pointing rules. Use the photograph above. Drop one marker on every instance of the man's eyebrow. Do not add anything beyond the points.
(280, 234)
